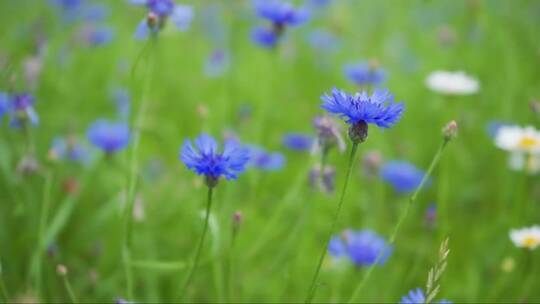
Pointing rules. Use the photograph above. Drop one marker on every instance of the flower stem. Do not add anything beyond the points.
(313, 285)
(69, 289)
(401, 219)
(201, 242)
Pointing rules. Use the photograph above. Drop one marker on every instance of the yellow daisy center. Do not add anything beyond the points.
(528, 142)
(530, 241)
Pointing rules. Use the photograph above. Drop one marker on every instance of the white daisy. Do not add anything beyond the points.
(524, 146)
(526, 237)
(452, 83)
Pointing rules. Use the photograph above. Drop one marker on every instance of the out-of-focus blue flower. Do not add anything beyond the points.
(363, 247)
(97, 36)
(364, 73)
(494, 126)
(264, 160)
(298, 141)
(264, 37)
(217, 63)
(417, 296)
(328, 133)
(204, 158)
(4, 103)
(122, 101)
(280, 13)
(323, 181)
(109, 136)
(96, 12)
(402, 175)
(158, 13)
(319, 3)
(323, 40)
(68, 149)
(378, 109)
(414, 296)
(21, 110)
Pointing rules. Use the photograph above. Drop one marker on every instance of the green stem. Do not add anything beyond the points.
(132, 177)
(69, 289)
(201, 242)
(46, 201)
(3, 288)
(401, 219)
(313, 285)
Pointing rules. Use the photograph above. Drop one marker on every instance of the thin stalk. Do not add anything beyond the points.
(201, 242)
(401, 219)
(132, 177)
(69, 289)
(3, 288)
(313, 285)
(46, 202)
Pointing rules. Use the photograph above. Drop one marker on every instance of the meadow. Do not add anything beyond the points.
(105, 181)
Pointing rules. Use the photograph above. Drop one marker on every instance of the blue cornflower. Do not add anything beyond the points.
(402, 175)
(69, 149)
(158, 12)
(361, 109)
(280, 14)
(4, 104)
(217, 63)
(264, 37)
(21, 110)
(364, 73)
(264, 160)
(97, 36)
(204, 158)
(109, 136)
(417, 296)
(298, 141)
(363, 247)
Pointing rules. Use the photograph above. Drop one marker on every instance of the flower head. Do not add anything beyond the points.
(159, 11)
(264, 160)
(264, 36)
(402, 175)
(452, 83)
(68, 148)
(417, 296)
(364, 73)
(21, 110)
(378, 109)
(328, 133)
(526, 237)
(4, 103)
(363, 247)
(205, 159)
(298, 141)
(523, 145)
(217, 63)
(96, 36)
(280, 13)
(109, 136)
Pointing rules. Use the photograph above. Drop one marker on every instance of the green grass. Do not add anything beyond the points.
(285, 223)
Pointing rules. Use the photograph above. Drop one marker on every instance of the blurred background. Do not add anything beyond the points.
(85, 60)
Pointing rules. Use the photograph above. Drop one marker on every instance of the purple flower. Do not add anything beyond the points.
(205, 159)
(68, 149)
(417, 296)
(364, 73)
(378, 109)
(21, 110)
(217, 63)
(158, 13)
(298, 141)
(363, 247)
(109, 136)
(264, 37)
(402, 175)
(264, 160)
(4, 103)
(97, 36)
(280, 13)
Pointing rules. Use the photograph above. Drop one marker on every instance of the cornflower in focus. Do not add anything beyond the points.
(159, 11)
(280, 14)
